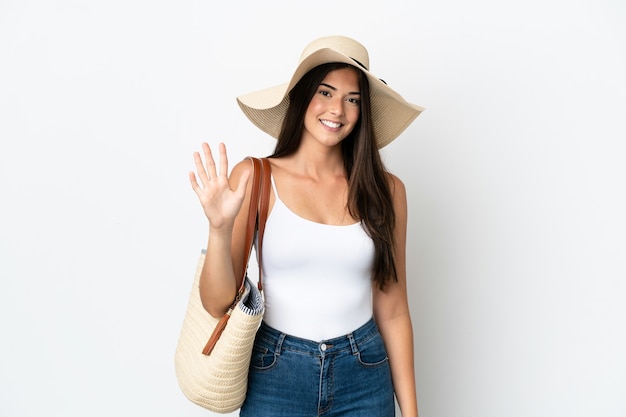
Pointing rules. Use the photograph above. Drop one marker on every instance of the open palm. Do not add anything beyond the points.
(220, 202)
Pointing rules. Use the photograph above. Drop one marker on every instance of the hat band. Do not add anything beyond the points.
(363, 66)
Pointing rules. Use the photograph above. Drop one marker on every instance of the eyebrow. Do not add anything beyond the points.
(335, 89)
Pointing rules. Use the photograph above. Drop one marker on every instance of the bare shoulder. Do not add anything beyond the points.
(240, 167)
(398, 190)
(282, 169)
(279, 164)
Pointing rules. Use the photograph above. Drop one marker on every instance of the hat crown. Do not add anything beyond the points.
(341, 44)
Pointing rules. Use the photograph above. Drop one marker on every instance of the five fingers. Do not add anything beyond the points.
(208, 173)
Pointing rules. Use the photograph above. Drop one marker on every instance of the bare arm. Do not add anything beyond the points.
(391, 311)
(225, 203)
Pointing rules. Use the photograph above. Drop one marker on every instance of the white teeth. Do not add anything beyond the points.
(330, 124)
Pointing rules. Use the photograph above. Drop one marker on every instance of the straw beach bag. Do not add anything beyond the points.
(214, 374)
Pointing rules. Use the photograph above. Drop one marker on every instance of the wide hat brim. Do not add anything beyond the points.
(391, 114)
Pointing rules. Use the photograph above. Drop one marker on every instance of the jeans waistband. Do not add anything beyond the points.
(351, 341)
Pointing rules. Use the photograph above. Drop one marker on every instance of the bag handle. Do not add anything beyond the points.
(264, 204)
(257, 216)
(259, 199)
(253, 217)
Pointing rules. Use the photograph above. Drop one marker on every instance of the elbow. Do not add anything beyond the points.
(215, 312)
(213, 306)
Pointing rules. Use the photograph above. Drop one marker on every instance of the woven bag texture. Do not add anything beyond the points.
(217, 381)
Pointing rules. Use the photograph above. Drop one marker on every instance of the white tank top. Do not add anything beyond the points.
(317, 278)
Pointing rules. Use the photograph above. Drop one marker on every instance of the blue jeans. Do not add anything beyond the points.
(348, 376)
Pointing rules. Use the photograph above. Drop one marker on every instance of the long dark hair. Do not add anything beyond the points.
(369, 193)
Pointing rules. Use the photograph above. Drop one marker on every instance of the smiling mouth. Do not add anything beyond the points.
(332, 125)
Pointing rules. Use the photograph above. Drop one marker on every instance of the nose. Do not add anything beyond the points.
(336, 106)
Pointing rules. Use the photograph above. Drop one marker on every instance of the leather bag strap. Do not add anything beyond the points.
(253, 215)
(257, 216)
(264, 203)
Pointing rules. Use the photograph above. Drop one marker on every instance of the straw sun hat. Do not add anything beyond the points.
(391, 114)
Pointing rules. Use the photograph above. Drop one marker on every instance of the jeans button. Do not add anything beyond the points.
(323, 347)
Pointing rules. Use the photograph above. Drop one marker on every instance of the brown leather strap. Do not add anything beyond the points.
(264, 203)
(257, 216)
(215, 335)
(257, 175)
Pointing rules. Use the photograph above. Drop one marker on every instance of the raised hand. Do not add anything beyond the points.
(220, 202)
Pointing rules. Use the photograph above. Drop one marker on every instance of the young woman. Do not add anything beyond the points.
(336, 338)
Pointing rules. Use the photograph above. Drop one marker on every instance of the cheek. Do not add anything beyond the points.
(315, 106)
(353, 114)
(311, 112)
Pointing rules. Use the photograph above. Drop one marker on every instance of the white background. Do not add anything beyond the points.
(515, 174)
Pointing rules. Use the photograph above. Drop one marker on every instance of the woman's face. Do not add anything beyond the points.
(334, 109)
